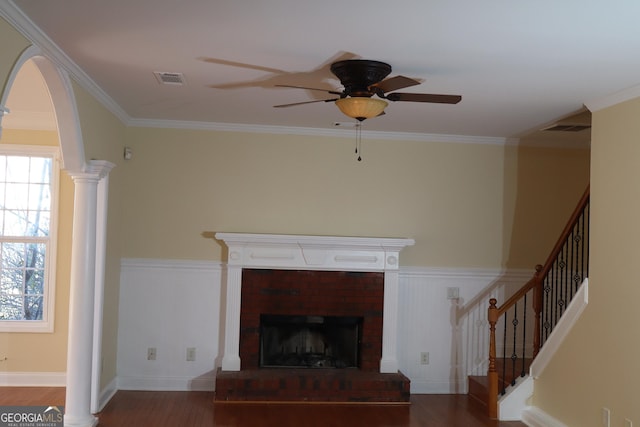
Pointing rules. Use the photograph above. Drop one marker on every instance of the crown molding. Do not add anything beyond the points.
(15, 17)
(339, 133)
(613, 99)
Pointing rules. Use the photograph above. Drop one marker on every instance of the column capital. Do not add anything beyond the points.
(94, 170)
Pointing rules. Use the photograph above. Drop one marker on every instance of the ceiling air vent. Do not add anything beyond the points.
(169, 78)
(559, 127)
(575, 123)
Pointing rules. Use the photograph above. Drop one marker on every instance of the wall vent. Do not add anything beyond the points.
(559, 127)
(169, 78)
(574, 123)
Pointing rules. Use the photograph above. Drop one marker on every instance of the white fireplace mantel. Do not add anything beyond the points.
(275, 251)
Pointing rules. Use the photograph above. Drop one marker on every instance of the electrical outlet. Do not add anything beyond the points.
(606, 417)
(151, 353)
(453, 293)
(424, 358)
(191, 354)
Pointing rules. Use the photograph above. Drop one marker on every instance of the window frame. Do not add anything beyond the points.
(46, 325)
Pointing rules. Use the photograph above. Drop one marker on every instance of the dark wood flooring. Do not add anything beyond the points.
(196, 409)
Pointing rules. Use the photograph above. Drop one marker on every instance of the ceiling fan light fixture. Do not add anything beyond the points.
(360, 107)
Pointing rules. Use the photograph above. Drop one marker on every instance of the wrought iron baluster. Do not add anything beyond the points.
(588, 222)
(548, 289)
(514, 356)
(584, 238)
(563, 275)
(524, 334)
(556, 285)
(573, 268)
(504, 355)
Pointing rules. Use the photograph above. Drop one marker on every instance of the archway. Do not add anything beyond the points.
(88, 223)
(59, 86)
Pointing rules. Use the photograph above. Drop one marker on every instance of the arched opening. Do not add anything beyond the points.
(43, 96)
(29, 131)
(42, 111)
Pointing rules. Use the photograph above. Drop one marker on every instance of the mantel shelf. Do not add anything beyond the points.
(313, 252)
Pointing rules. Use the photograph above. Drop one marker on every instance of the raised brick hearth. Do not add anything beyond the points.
(311, 385)
(318, 277)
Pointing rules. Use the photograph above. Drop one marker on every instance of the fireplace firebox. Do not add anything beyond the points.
(307, 296)
(300, 341)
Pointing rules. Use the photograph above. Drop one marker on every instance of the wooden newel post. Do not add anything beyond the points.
(493, 373)
(537, 309)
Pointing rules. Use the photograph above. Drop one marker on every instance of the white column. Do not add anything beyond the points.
(389, 361)
(81, 303)
(98, 301)
(231, 358)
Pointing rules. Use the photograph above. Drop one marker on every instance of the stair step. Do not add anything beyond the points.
(478, 388)
(479, 384)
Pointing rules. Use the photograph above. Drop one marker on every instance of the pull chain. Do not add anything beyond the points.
(359, 139)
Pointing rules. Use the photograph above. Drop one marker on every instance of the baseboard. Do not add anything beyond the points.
(106, 394)
(167, 383)
(33, 379)
(535, 417)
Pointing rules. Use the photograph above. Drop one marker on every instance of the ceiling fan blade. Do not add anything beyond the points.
(305, 102)
(242, 65)
(395, 83)
(424, 97)
(333, 92)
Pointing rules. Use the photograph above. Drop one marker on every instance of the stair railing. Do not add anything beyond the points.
(548, 292)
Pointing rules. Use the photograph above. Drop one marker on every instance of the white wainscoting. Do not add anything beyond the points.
(454, 332)
(172, 305)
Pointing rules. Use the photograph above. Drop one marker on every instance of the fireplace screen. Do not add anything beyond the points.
(309, 341)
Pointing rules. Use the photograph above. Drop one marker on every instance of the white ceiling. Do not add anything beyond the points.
(519, 65)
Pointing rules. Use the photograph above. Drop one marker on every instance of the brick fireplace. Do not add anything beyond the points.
(311, 277)
(312, 293)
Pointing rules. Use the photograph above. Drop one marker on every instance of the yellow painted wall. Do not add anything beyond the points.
(44, 352)
(460, 202)
(597, 365)
(542, 191)
(103, 136)
(12, 44)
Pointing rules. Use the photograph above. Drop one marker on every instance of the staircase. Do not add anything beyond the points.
(521, 325)
(507, 376)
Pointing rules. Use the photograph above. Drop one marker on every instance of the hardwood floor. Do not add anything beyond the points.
(196, 409)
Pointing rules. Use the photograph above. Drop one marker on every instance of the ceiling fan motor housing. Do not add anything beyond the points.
(357, 75)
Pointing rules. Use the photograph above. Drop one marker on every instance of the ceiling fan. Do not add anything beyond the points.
(362, 79)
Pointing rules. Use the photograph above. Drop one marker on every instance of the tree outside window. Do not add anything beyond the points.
(26, 194)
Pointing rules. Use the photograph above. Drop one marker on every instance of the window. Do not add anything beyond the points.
(28, 210)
